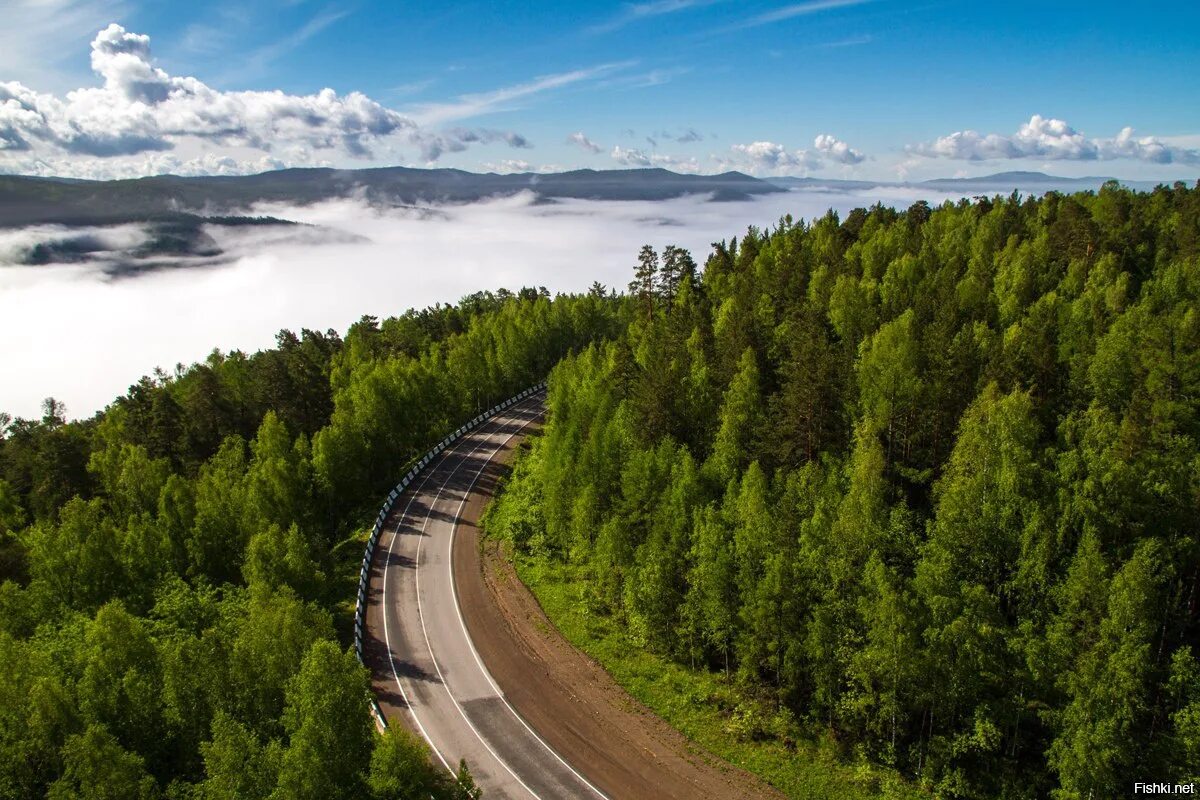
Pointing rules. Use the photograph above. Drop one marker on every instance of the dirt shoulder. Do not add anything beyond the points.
(571, 701)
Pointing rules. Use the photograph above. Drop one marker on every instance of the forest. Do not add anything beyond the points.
(924, 483)
(177, 573)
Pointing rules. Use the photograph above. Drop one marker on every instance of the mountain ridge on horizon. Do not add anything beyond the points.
(640, 171)
(31, 200)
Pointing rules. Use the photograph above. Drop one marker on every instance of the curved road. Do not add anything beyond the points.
(425, 669)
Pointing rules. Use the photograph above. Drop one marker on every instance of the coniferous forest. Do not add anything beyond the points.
(923, 482)
(177, 574)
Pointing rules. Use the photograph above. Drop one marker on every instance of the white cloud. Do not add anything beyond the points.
(1053, 139)
(635, 12)
(509, 165)
(630, 156)
(771, 158)
(836, 150)
(141, 110)
(455, 140)
(412, 87)
(474, 105)
(849, 41)
(583, 141)
(104, 169)
(256, 61)
(633, 157)
(643, 80)
(795, 10)
(1146, 148)
(40, 38)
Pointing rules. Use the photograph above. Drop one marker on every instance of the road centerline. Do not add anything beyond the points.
(421, 617)
(461, 621)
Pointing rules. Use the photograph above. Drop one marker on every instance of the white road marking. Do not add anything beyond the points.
(421, 615)
(387, 637)
(487, 674)
(416, 570)
(386, 634)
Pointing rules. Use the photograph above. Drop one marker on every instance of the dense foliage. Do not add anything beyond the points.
(174, 572)
(924, 483)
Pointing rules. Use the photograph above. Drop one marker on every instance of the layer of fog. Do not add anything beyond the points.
(70, 332)
(99, 242)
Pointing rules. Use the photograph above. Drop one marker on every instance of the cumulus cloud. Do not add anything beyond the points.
(1053, 139)
(836, 150)
(509, 165)
(1146, 148)
(455, 140)
(771, 158)
(633, 157)
(630, 156)
(140, 109)
(583, 141)
(103, 169)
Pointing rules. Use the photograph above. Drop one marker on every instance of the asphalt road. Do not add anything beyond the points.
(426, 672)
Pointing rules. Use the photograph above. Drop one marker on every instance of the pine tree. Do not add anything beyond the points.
(645, 276)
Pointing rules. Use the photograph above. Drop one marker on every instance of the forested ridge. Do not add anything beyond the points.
(177, 573)
(924, 484)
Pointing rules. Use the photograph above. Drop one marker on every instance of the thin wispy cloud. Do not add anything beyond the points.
(43, 37)
(474, 105)
(685, 136)
(642, 80)
(635, 12)
(411, 87)
(850, 41)
(793, 11)
(260, 58)
(227, 23)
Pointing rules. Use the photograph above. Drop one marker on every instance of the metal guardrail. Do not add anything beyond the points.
(360, 608)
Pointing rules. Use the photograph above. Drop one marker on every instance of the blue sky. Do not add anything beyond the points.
(894, 89)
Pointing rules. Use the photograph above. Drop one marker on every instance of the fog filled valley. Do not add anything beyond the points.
(86, 310)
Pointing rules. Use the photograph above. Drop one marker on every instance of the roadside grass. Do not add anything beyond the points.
(343, 564)
(343, 561)
(704, 706)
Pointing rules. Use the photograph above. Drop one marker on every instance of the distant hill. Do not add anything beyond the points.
(998, 183)
(825, 184)
(28, 200)
(1018, 180)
